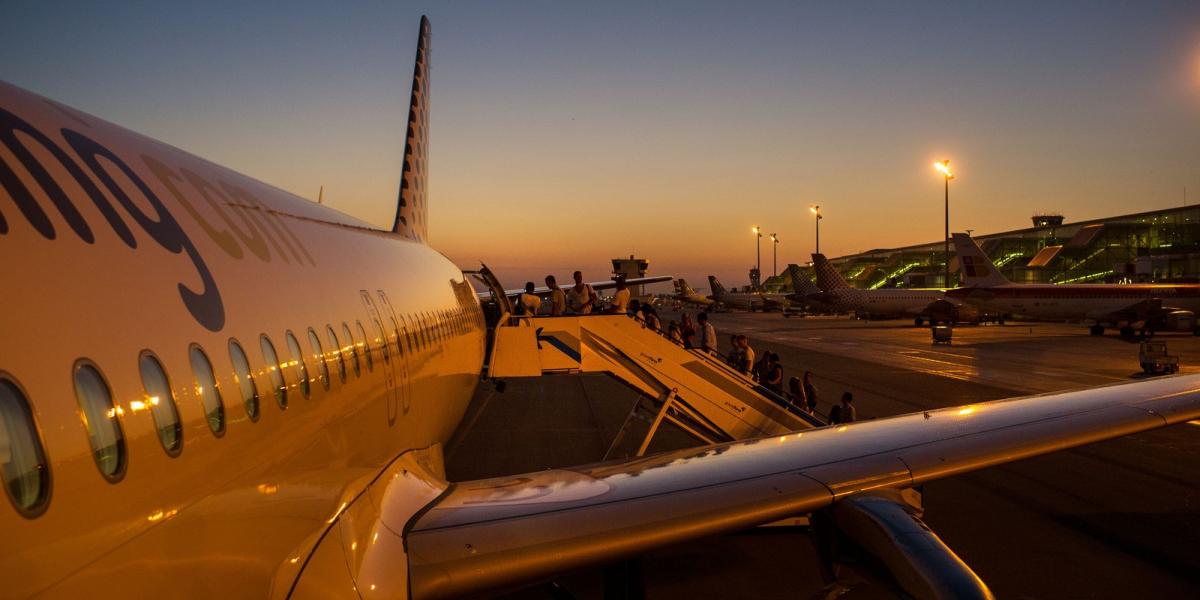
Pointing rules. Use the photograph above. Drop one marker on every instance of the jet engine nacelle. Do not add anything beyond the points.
(1175, 320)
(1181, 320)
(888, 528)
(944, 311)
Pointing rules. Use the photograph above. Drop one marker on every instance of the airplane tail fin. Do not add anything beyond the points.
(801, 284)
(684, 288)
(411, 216)
(828, 278)
(718, 290)
(976, 268)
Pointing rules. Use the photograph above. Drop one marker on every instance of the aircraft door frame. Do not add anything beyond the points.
(405, 388)
(389, 367)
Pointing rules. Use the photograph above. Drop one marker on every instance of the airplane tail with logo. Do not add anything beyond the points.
(718, 290)
(976, 268)
(801, 284)
(411, 216)
(683, 288)
(828, 278)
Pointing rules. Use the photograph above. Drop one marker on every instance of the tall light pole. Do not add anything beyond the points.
(775, 255)
(816, 210)
(758, 249)
(943, 167)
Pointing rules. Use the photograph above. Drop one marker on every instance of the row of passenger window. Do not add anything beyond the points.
(23, 462)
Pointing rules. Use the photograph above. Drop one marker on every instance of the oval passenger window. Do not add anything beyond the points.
(100, 420)
(396, 332)
(207, 390)
(301, 365)
(319, 356)
(161, 402)
(274, 369)
(336, 350)
(383, 343)
(244, 379)
(22, 459)
(366, 346)
(352, 348)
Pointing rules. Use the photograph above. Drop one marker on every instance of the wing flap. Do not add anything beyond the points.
(453, 561)
(497, 532)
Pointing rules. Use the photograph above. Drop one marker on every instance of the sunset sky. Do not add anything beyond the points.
(565, 134)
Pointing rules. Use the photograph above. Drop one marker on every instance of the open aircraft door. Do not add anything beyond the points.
(400, 327)
(389, 369)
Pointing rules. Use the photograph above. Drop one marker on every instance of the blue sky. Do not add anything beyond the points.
(565, 134)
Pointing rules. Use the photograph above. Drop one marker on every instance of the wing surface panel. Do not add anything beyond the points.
(496, 532)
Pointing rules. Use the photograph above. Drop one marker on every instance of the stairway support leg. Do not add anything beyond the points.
(624, 427)
(667, 399)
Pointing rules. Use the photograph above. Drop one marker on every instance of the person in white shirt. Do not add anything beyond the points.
(620, 303)
(529, 302)
(844, 412)
(747, 355)
(558, 298)
(708, 335)
(582, 297)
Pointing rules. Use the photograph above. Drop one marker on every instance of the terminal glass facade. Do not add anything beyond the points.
(1158, 246)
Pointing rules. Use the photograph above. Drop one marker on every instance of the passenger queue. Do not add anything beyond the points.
(581, 299)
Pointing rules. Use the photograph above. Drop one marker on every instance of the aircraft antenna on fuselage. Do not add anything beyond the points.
(411, 221)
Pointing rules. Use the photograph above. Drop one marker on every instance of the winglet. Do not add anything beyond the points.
(411, 216)
(828, 279)
(976, 268)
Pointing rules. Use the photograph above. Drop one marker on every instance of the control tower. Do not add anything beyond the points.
(1047, 220)
(631, 268)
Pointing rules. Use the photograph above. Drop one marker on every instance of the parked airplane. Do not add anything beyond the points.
(1156, 307)
(684, 293)
(805, 293)
(750, 301)
(920, 304)
(212, 387)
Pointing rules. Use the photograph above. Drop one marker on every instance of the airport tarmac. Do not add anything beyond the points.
(1115, 519)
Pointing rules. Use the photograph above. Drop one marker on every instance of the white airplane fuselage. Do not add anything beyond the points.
(1099, 302)
(886, 302)
(167, 252)
(744, 301)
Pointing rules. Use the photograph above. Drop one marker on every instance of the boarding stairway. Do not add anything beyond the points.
(691, 388)
(694, 390)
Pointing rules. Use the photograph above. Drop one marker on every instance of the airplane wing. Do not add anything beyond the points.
(488, 534)
(1138, 311)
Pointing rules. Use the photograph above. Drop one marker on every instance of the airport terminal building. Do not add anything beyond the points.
(1155, 246)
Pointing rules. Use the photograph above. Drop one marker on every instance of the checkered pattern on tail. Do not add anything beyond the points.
(411, 215)
(828, 278)
(801, 284)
